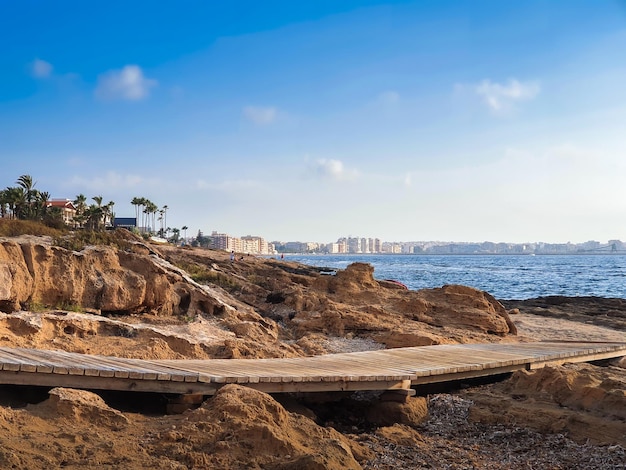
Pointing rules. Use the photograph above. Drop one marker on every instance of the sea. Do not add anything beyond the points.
(506, 277)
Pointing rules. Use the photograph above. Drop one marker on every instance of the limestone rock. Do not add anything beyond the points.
(102, 279)
(454, 305)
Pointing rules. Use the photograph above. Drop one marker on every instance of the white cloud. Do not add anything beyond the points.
(128, 83)
(501, 97)
(389, 97)
(41, 68)
(260, 115)
(111, 180)
(332, 170)
(227, 185)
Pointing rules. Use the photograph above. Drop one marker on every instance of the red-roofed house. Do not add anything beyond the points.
(68, 211)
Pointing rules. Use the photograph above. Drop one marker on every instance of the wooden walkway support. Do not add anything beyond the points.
(389, 369)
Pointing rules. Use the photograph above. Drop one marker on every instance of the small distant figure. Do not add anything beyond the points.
(282, 256)
(232, 255)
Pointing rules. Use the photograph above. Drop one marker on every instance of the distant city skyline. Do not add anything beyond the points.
(256, 244)
(447, 120)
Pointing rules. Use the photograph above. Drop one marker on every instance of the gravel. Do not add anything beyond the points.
(450, 441)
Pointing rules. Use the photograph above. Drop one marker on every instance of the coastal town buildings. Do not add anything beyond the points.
(354, 245)
(249, 244)
(223, 241)
(257, 245)
(357, 245)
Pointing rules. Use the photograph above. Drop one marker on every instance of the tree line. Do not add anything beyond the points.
(25, 202)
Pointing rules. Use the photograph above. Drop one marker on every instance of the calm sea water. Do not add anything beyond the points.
(506, 277)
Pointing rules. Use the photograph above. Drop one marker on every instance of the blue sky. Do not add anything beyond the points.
(310, 121)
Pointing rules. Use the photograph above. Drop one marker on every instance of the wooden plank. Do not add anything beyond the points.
(25, 363)
(9, 362)
(366, 370)
(587, 358)
(46, 361)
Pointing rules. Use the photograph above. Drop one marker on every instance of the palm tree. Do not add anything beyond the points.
(80, 204)
(184, 229)
(93, 215)
(153, 209)
(146, 211)
(175, 232)
(96, 213)
(107, 214)
(149, 213)
(164, 212)
(160, 219)
(41, 204)
(9, 199)
(28, 195)
(4, 203)
(137, 202)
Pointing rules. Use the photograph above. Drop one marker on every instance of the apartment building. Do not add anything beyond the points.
(249, 244)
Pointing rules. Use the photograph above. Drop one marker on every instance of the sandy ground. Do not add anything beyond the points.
(537, 328)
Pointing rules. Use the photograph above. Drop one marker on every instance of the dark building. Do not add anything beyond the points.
(125, 222)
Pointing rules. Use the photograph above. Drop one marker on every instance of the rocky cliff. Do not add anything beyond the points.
(258, 302)
(164, 302)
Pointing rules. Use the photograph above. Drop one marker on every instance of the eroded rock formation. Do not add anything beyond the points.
(258, 302)
(141, 303)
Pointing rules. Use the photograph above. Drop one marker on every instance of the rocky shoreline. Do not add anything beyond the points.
(161, 302)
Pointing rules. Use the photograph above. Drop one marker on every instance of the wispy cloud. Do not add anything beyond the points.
(128, 83)
(111, 180)
(227, 185)
(330, 169)
(260, 115)
(40, 68)
(389, 97)
(502, 96)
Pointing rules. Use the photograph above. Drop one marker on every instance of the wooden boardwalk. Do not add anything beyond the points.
(389, 369)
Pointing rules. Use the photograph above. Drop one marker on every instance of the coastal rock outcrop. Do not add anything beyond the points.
(108, 280)
(113, 282)
(171, 302)
(353, 302)
(100, 278)
(462, 306)
(253, 304)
